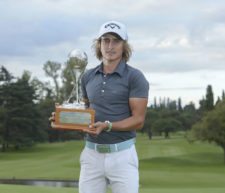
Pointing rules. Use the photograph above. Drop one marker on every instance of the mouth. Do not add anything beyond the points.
(110, 52)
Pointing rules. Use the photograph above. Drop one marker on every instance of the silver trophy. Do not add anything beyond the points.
(77, 63)
(74, 115)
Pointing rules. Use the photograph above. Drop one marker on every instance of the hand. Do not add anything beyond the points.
(96, 128)
(52, 120)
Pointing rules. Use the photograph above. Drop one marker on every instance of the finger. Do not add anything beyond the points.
(51, 119)
(90, 132)
(92, 128)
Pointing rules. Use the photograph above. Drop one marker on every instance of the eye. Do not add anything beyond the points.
(105, 40)
(116, 41)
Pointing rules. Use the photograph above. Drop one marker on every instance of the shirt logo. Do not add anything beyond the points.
(112, 25)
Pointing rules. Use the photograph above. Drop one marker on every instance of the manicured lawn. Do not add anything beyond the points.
(27, 189)
(166, 166)
(175, 163)
(45, 161)
(34, 189)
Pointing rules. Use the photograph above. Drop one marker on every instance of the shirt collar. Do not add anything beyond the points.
(119, 69)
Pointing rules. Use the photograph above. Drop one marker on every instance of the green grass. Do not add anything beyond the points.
(175, 163)
(26, 189)
(34, 189)
(166, 166)
(45, 161)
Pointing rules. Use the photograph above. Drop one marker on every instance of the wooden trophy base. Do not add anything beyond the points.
(73, 119)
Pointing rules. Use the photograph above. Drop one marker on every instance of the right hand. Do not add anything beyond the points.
(96, 128)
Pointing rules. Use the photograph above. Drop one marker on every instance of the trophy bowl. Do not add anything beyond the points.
(74, 115)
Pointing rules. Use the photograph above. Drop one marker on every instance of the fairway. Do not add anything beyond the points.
(166, 166)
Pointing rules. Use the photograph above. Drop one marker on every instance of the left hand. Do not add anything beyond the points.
(96, 128)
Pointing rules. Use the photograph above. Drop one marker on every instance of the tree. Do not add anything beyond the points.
(5, 80)
(218, 101)
(179, 106)
(168, 117)
(172, 105)
(209, 102)
(166, 125)
(151, 116)
(52, 70)
(155, 103)
(202, 106)
(5, 75)
(189, 116)
(212, 127)
(68, 82)
(223, 95)
(22, 124)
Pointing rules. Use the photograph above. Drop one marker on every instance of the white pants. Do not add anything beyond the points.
(119, 170)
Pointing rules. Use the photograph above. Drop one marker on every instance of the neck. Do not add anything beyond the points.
(110, 66)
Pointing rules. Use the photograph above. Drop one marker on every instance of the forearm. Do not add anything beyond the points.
(129, 124)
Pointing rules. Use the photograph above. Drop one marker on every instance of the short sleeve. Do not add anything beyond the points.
(138, 85)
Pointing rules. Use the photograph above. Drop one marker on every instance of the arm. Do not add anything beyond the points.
(137, 118)
(134, 122)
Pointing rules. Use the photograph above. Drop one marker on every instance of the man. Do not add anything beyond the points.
(119, 95)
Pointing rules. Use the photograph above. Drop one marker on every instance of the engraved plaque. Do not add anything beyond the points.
(73, 119)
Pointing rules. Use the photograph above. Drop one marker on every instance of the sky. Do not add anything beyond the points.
(179, 45)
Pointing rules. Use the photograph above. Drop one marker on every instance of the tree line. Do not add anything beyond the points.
(26, 104)
(206, 123)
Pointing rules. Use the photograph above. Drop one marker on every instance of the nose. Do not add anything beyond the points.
(111, 44)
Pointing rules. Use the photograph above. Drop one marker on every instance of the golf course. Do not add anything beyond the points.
(166, 166)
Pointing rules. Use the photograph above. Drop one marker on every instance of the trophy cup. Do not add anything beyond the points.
(74, 116)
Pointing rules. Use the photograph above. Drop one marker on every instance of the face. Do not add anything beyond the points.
(111, 48)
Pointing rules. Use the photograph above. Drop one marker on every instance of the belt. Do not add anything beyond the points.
(110, 148)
